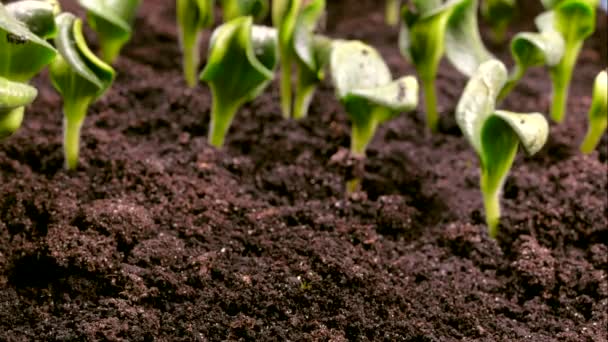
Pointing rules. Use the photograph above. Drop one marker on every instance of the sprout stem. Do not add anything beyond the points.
(74, 114)
(286, 92)
(430, 100)
(190, 58)
(353, 185)
(561, 75)
(593, 137)
(392, 12)
(221, 119)
(362, 134)
(305, 87)
(10, 121)
(491, 202)
(110, 49)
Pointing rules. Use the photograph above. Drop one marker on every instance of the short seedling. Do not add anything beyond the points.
(22, 55)
(598, 114)
(241, 63)
(192, 17)
(112, 20)
(258, 9)
(495, 134)
(368, 92)
(498, 13)
(575, 21)
(392, 12)
(534, 49)
(80, 77)
(432, 28)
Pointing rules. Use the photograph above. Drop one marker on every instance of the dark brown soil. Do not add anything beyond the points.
(158, 236)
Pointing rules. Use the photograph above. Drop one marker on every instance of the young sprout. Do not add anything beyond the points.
(258, 9)
(432, 28)
(392, 12)
(499, 14)
(22, 55)
(598, 114)
(192, 17)
(575, 21)
(534, 49)
(368, 92)
(14, 96)
(241, 63)
(112, 20)
(80, 77)
(496, 134)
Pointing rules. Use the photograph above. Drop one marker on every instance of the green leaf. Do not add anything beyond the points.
(364, 85)
(13, 97)
(80, 77)
(241, 61)
(258, 9)
(38, 16)
(535, 49)
(192, 17)
(598, 114)
(495, 134)
(22, 53)
(112, 20)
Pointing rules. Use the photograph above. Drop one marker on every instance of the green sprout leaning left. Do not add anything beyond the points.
(22, 55)
(80, 77)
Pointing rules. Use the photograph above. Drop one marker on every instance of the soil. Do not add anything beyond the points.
(158, 236)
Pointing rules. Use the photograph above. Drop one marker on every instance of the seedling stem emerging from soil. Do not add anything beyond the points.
(80, 77)
(498, 13)
(598, 114)
(242, 58)
(192, 17)
(495, 134)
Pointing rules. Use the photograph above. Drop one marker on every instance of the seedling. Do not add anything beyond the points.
(80, 77)
(598, 114)
(112, 20)
(241, 63)
(392, 12)
(192, 17)
(575, 21)
(498, 13)
(258, 9)
(367, 90)
(22, 55)
(496, 134)
(535, 49)
(432, 28)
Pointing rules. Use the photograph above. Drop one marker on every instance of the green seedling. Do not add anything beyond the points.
(241, 63)
(193, 16)
(22, 55)
(575, 21)
(535, 49)
(432, 28)
(299, 47)
(498, 13)
(80, 77)
(112, 20)
(496, 134)
(367, 90)
(391, 13)
(258, 9)
(598, 114)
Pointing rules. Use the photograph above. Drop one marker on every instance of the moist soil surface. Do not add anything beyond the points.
(158, 236)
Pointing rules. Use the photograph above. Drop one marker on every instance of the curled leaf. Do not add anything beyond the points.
(38, 16)
(80, 77)
(14, 96)
(365, 86)
(112, 20)
(242, 58)
(495, 134)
